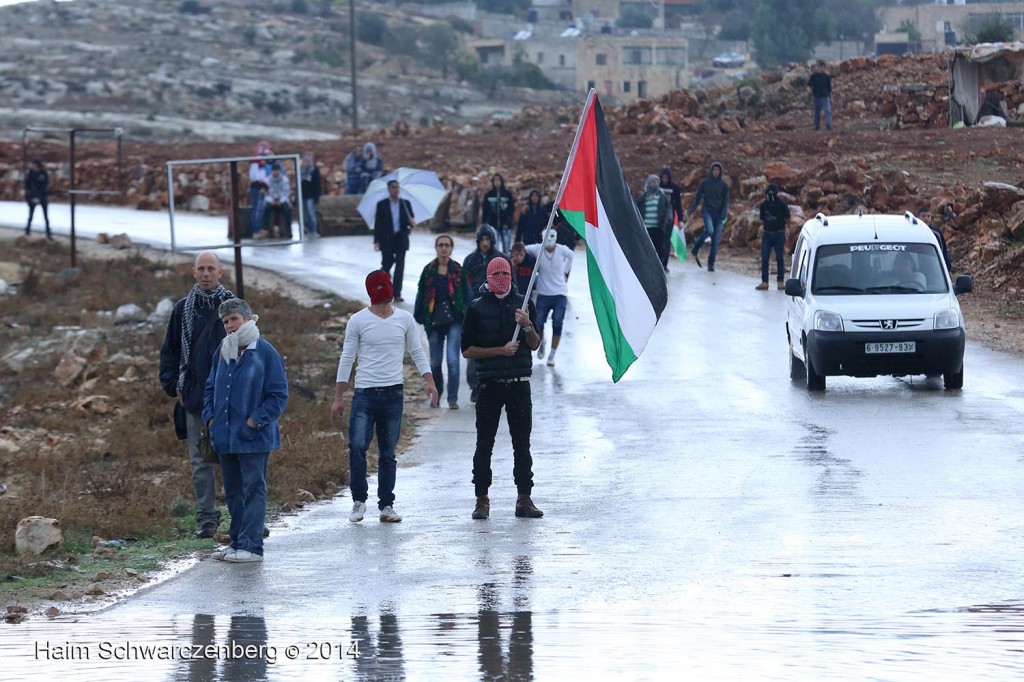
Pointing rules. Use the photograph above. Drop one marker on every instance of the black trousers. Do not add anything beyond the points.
(391, 256)
(660, 244)
(44, 204)
(517, 400)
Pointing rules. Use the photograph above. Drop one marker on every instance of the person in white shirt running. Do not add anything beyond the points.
(554, 262)
(378, 336)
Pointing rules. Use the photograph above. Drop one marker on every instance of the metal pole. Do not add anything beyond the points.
(236, 232)
(170, 201)
(71, 188)
(352, 58)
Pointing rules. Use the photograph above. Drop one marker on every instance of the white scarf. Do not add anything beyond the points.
(240, 338)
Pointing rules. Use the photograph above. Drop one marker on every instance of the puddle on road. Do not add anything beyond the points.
(977, 643)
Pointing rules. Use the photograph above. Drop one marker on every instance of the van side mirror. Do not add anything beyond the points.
(794, 287)
(963, 284)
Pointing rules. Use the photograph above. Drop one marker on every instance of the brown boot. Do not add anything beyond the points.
(483, 508)
(525, 508)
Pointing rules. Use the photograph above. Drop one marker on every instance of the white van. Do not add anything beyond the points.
(871, 296)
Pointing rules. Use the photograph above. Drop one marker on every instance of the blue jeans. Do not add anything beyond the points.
(551, 304)
(375, 409)
(713, 230)
(505, 235)
(773, 241)
(437, 338)
(245, 487)
(256, 215)
(309, 215)
(353, 184)
(823, 104)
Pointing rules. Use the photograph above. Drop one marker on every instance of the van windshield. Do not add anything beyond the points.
(878, 268)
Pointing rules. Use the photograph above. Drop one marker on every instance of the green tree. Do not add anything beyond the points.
(635, 16)
(402, 40)
(440, 42)
(371, 27)
(786, 31)
(466, 65)
(735, 26)
(908, 27)
(850, 20)
(994, 28)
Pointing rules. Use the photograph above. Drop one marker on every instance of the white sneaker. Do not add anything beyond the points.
(540, 348)
(388, 515)
(551, 361)
(358, 511)
(243, 556)
(221, 554)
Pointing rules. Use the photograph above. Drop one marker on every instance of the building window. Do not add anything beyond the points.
(561, 60)
(641, 89)
(601, 59)
(671, 56)
(637, 55)
(540, 57)
(626, 86)
(590, 85)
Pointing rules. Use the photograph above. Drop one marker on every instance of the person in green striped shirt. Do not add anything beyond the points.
(656, 210)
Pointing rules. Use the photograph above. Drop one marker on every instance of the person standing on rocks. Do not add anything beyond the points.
(821, 92)
(194, 334)
(504, 368)
(37, 193)
(499, 209)
(713, 191)
(774, 216)
(378, 336)
(391, 226)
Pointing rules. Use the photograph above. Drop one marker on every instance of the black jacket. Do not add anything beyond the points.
(499, 208)
(491, 323)
(311, 188)
(474, 268)
(383, 229)
(774, 214)
(821, 84)
(522, 273)
(207, 333)
(37, 185)
(714, 192)
(532, 222)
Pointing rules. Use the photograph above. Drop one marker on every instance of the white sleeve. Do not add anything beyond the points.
(414, 343)
(533, 249)
(255, 172)
(568, 258)
(349, 350)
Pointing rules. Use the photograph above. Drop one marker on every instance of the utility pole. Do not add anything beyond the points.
(352, 58)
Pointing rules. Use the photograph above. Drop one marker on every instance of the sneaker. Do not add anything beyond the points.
(243, 556)
(388, 515)
(483, 508)
(782, 285)
(453, 405)
(696, 259)
(358, 512)
(551, 361)
(266, 532)
(711, 268)
(526, 509)
(222, 553)
(207, 530)
(763, 286)
(541, 347)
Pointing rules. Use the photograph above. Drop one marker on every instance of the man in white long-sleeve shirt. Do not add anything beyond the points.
(554, 263)
(378, 336)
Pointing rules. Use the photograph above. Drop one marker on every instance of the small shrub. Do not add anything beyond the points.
(193, 7)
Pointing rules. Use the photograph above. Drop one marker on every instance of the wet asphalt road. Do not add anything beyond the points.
(705, 519)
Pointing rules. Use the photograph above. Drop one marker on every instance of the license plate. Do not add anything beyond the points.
(898, 347)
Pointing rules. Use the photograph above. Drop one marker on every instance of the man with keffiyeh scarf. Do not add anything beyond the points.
(194, 333)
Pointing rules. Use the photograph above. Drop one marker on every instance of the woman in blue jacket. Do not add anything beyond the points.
(245, 396)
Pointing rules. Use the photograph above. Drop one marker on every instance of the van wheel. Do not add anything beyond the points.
(815, 381)
(797, 371)
(953, 380)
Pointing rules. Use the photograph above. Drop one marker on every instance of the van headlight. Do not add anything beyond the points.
(825, 321)
(947, 319)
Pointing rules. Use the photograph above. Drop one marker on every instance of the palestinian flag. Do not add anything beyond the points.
(627, 280)
(679, 242)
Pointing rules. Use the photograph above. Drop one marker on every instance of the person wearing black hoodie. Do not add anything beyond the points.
(774, 216)
(533, 220)
(675, 195)
(499, 209)
(474, 277)
(714, 192)
(37, 193)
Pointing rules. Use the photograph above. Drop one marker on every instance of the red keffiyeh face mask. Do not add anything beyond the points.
(379, 287)
(499, 277)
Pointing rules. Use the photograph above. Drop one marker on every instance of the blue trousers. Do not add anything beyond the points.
(712, 230)
(823, 104)
(437, 338)
(245, 487)
(379, 410)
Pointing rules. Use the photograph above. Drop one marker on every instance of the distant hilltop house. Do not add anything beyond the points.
(941, 24)
(575, 45)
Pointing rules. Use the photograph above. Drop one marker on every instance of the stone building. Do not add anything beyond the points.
(631, 67)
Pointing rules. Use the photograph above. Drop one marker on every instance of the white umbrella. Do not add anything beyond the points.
(421, 187)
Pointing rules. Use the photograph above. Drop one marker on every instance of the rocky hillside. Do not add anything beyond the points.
(239, 69)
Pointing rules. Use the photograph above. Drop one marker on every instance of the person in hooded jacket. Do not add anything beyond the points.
(675, 195)
(373, 166)
(713, 191)
(474, 276)
(533, 220)
(499, 207)
(774, 216)
(353, 167)
(311, 191)
(37, 193)
(656, 210)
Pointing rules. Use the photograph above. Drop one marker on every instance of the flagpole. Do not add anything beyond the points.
(558, 197)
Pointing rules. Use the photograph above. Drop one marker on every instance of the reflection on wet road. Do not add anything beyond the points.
(705, 519)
